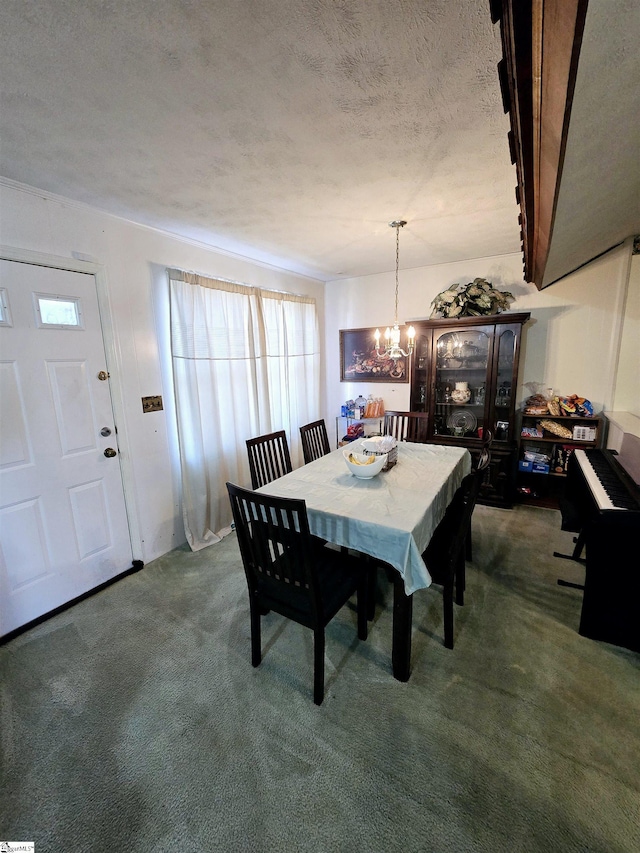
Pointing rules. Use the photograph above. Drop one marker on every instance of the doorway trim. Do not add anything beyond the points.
(98, 271)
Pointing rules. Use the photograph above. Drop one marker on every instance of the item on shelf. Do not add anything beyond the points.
(584, 433)
(561, 456)
(531, 432)
(526, 491)
(536, 456)
(461, 394)
(502, 430)
(576, 406)
(554, 407)
(461, 422)
(531, 467)
(355, 430)
(536, 404)
(368, 409)
(503, 397)
(374, 408)
(480, 393)
(555, 428)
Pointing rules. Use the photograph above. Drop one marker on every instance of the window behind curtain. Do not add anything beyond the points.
(245, 362)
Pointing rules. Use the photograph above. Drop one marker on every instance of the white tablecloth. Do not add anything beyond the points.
(392, 516)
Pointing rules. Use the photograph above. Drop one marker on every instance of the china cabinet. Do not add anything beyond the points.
(464, 375)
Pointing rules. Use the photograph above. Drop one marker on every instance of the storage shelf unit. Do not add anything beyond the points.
(543, 484)
(373, 426)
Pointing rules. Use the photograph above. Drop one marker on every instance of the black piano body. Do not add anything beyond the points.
(611, 603)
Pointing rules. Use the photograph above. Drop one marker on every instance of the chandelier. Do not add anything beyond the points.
(392, 348)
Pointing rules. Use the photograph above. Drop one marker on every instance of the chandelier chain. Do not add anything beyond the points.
(392, 348)
(397, 264)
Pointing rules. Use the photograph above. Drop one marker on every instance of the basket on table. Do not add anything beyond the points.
(378, 445)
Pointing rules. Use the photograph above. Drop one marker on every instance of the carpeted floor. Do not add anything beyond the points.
(134, 721)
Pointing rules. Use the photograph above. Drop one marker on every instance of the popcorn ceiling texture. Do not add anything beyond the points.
(289, 131)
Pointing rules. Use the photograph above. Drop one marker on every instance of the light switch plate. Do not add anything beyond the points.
(152, 404)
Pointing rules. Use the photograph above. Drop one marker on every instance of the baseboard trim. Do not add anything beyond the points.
(135, 567)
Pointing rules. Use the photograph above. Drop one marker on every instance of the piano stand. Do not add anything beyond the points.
(575, 556)
(562, 582)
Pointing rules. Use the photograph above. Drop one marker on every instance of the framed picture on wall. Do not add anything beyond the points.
(360, 363)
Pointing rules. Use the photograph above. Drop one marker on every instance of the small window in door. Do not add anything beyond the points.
(58, 312)
(5, 313)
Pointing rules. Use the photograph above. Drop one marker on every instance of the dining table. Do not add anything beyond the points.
(390, 517)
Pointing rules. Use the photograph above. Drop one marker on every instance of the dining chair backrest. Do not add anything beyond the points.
(450, 543)
(269, 458)
(315, 441)
(406, 426)
(274, 539)
(290, 572)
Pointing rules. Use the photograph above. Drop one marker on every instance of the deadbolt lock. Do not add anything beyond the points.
(103, 375)
(110, 453)
(105, 431)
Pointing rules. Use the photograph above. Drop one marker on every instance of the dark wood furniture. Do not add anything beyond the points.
(541, 43)
(269, 458)
(484, 353)
(406, 426)
(445, 554)
(315, 441)
(535, 485)
(290, 572)
(605, 500)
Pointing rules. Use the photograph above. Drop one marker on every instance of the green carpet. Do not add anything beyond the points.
(134, 721)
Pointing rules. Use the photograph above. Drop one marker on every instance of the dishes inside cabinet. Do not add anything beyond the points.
(462, 421)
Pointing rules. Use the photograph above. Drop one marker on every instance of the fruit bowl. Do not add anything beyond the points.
(363, 466)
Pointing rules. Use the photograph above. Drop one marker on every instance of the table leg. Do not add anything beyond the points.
(402, 618)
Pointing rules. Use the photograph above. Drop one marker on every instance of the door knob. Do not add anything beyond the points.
(110, 453)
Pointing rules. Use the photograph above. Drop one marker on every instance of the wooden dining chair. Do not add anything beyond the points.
(483, 461)
(406, 426)
(315, 441)
(269, 458)
(445, 554)
(290, 572)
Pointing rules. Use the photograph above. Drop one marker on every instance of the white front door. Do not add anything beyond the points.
(63, 523)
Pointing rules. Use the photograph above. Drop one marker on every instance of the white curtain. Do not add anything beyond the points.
(245, 362)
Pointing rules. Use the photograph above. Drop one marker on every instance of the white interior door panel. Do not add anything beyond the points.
(63, 521)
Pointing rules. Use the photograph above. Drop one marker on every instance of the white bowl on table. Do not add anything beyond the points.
(366, 466)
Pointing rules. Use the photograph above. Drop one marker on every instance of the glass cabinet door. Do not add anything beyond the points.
(461, 382)
(420, 368)
(504, 390)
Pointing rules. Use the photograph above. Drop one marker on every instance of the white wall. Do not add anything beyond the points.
(627, 390)
(135, 259)
(571, 342)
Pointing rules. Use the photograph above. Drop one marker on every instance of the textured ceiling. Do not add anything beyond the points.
(290, 131)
